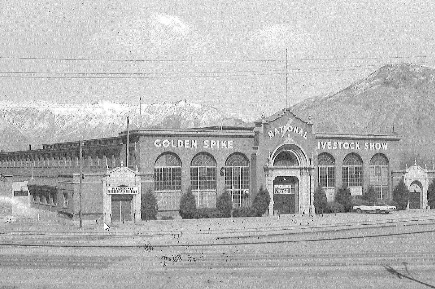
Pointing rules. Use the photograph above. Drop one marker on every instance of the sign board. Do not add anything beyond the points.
(122, 190)
(283, 189)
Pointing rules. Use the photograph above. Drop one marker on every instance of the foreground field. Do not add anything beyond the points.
(393, 255)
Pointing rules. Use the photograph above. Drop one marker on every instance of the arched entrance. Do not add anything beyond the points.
(417, 181)
(285, 190)
(288, 180)
(415, 191)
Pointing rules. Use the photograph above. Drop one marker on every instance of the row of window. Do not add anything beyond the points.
(62, 163)
(352, 172)
(203, 179)
(49, 199)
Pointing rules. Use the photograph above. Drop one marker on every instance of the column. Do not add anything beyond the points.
(107, 204)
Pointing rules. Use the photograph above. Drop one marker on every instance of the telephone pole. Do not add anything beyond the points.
(128, 141)
(286, 79)
(80, 183)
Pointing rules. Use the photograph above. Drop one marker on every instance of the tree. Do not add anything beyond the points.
(261, 202)
(187, 205)
(431, 195)
(343, 197)
(370, 196)
(224, 204)
(401, 195)
(149, 206)
(320, 200)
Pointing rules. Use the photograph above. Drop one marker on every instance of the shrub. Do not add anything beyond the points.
(224, 204)
(431, 195)
(244, 212)
(334, 207)
(320, 200)
(261, 202)
(401, 195)
(206, 213)
(149, 206)
(343, 197)
(187, 205)
(370, 196)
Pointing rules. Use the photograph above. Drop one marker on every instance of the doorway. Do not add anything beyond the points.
(121, 208)
(285, 189)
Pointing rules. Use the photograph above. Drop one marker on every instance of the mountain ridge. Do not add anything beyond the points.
(396, 98)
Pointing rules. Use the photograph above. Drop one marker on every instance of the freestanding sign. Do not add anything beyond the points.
(20, 199)
(121, 196)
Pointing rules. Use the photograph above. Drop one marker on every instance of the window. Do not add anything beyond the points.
(167, 181)
(286, 159)
(379, 175)
(203, 180)
(65, 200)
(326, 170)
(352, 170)
(237, 179)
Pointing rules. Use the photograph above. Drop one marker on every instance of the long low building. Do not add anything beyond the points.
(280, 153)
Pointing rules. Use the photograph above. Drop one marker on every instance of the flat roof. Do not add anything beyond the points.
(390, 137)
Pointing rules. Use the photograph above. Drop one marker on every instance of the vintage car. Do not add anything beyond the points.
(374, 209)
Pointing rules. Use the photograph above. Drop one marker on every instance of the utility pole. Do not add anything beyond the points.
(140, 112)
(286, 78)
(128, 141)
(81, 183)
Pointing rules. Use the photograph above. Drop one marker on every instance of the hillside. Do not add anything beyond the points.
(38, 123)
(397, 97)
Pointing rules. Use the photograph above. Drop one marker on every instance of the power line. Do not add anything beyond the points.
(214, 61)
(161, 75)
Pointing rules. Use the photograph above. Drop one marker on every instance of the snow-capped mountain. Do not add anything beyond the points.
(42, 122)
(399, 98)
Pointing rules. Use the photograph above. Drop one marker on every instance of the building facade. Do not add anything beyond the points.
(280, 153)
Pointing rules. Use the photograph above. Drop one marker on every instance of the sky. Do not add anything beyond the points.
(227, 54)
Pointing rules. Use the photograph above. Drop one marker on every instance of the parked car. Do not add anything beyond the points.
(374, 209)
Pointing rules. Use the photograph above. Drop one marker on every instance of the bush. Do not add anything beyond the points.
(261, 202)
(401, 195)
(206, 213)
(244, 212)
(334, 207)
(187, 205)
(224, 204)
(149, 206)
(320, 200)
(343, 197)
(370, 196)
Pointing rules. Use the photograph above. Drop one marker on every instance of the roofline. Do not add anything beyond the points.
(391, 137)
(190, 132)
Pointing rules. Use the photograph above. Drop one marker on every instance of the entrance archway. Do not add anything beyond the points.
(417, 181)
(415, 191)
(288, 180)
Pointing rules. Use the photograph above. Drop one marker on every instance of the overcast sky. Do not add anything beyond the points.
(228, 54)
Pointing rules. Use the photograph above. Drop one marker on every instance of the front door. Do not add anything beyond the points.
(121, 208)
(285, 189)
(414, 200)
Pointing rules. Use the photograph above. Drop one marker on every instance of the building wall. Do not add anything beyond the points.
(365, 146)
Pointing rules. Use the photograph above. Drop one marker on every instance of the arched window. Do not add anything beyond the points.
(237, 179)
(203, 180)
(326, 170)
(353, 171)
(286, 159)
(167, 181)
(379, 175)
